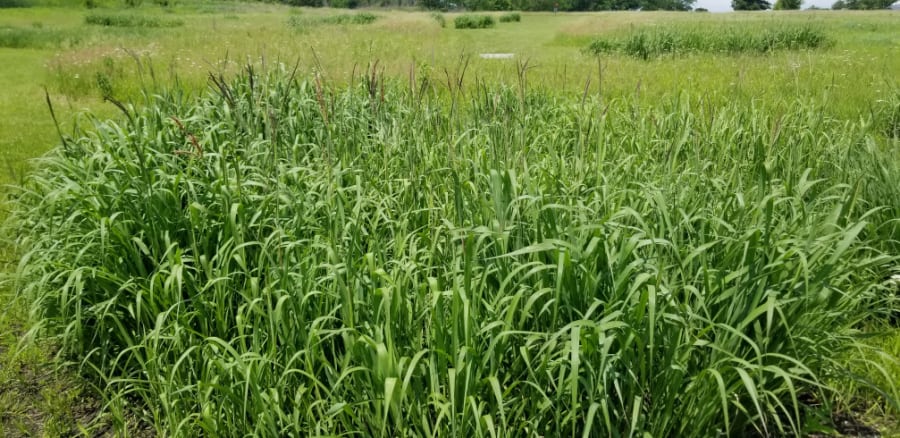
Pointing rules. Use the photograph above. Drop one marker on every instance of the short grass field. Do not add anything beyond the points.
(251, 219)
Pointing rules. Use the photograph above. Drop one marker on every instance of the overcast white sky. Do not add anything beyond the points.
(725, 5)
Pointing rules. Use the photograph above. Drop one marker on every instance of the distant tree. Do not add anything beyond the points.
(536, 5)
(433, 4)
(314, 3)
(666, 5)
(478, 5)
(783, 5)
(517, 5)
(347, 4)
(616, 5)
(750, 5)
(839, 4)
(581, 5)
(866, 4)
(701, 10)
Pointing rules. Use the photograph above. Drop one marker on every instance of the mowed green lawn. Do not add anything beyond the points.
(53, 49)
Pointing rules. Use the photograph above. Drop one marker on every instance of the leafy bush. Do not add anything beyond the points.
(130, 20)
(471, 21)
(651, 43)
(511, 17)
(282, 259)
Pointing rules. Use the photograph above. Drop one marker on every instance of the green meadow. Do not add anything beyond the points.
(248, 219)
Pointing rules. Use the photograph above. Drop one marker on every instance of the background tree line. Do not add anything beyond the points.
(582, 5)
(861, 4)
(526, 5)
(511, 5)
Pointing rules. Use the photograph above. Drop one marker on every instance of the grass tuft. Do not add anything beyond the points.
(439, 18)
(648, 43)
(471, 21)
(38, 37)
(303, 21)
(130, 20)
(512, 17)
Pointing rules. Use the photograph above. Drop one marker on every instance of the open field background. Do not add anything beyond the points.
(54, 48)
(829, 101)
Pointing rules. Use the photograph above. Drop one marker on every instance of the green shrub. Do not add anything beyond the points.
(130, 20)
(511, 17)
(276, 259)
(471, 21)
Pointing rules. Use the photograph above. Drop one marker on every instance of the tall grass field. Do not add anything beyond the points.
(345, 246)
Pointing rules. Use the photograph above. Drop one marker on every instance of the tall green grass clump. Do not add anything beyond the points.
(647, 43)
(439, 18)
(38, 38)
(512, 17)
(358, 18)
(130, 20)
(15, 4)
(284, 258)
(472, 21)
(303, 21)
(886, 114)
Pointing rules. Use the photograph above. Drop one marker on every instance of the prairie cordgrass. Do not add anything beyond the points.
(130, 20)
(653, 42)
(38, 38)
(358, 18)
(283, 257)
(303, 21)
(439, 18)
(512, 17)
(886, 114)
(473, 21)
